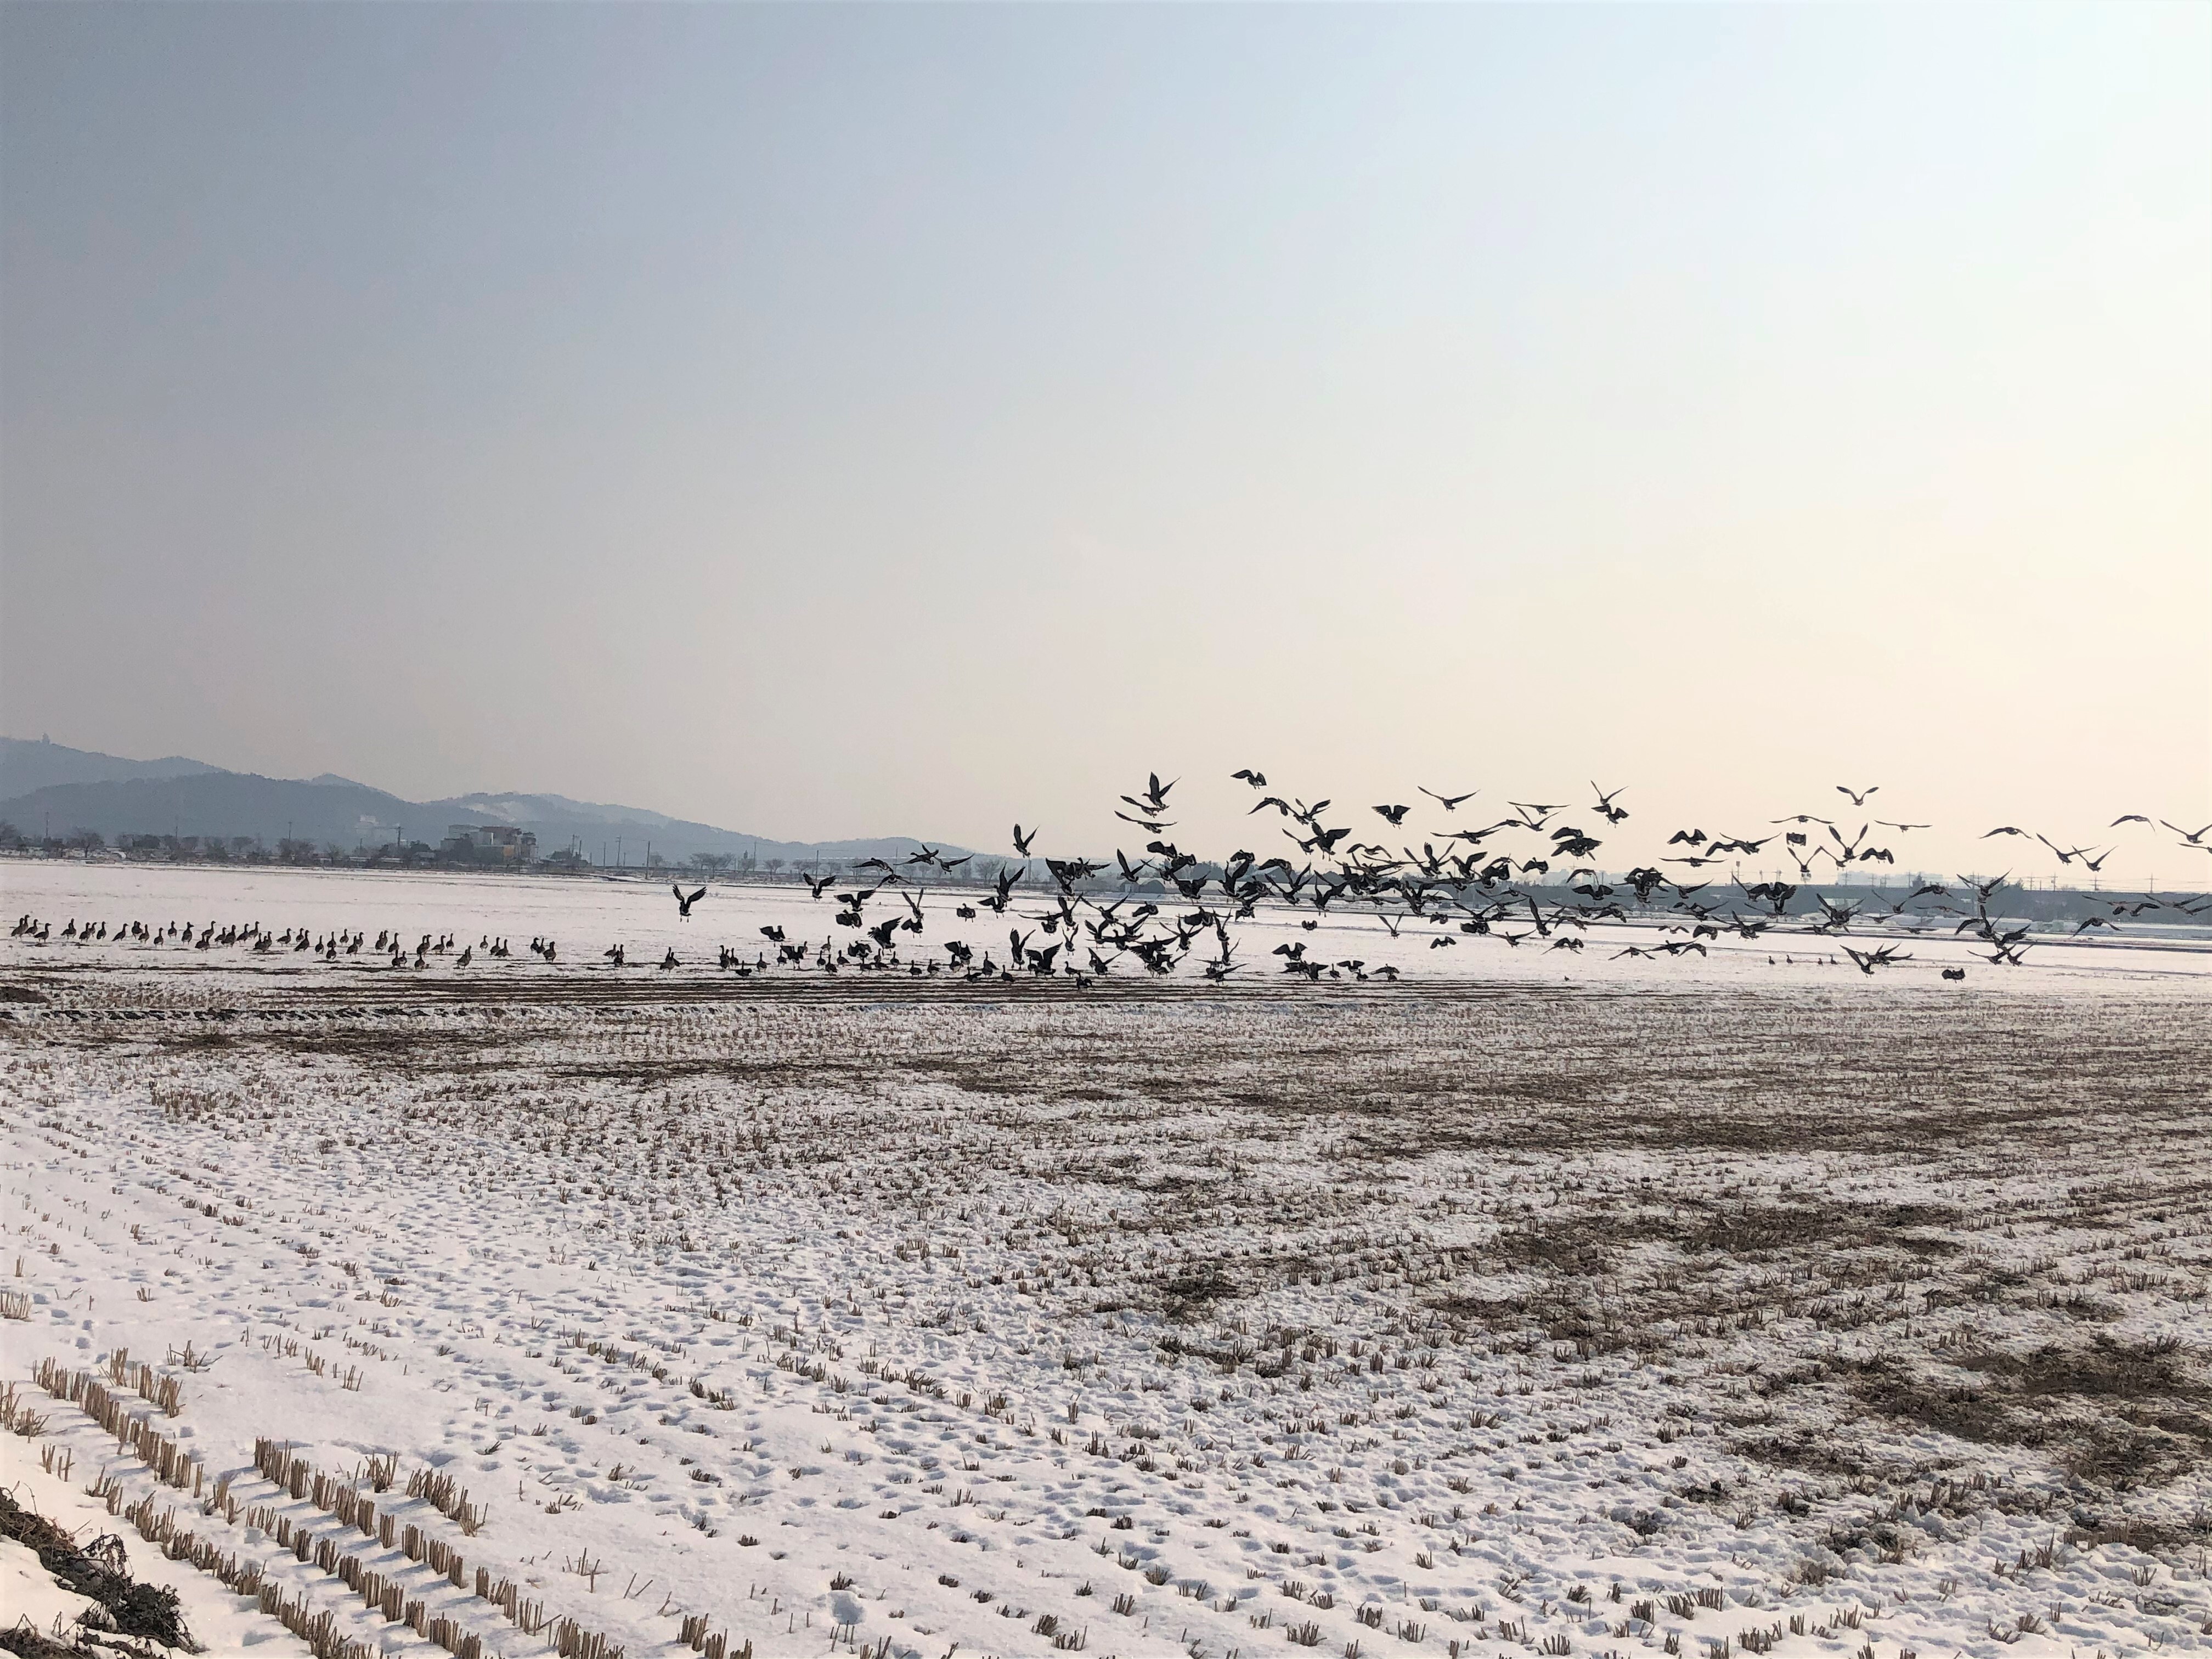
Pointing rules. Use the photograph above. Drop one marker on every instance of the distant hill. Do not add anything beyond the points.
(44, 784)
(27, 764)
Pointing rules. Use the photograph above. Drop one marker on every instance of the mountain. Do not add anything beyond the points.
(141, 797)
(25, 765)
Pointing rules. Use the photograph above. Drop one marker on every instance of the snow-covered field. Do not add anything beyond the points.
(1555, 1303)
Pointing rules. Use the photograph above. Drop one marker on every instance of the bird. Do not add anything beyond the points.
(1881, 956)
(2127, 817)
(2190, 837)
(1154, 801)
(1606, 809)
(1257, 780)
(1396, 815)
(1022, 842)
(815, 888)
(1449, 803)
(2005, 829)
(1902, 827)
(1858, 796)
(683, 904)
(773, 935)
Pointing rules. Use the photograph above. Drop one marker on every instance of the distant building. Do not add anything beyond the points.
(488, 843)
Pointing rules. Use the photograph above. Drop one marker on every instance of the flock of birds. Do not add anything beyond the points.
(1527, 878)
(1457, 882)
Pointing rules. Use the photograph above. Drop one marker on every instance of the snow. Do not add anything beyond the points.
(1872, 1311)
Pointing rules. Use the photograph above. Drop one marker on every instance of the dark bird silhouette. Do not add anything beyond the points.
(773, 935)
(2190, 837)
(1257, 780)
(1022, 842)
(1954, 973)
(816, 889)
(1449, 803)
(2005, 829)
(1858, 796)
(1881, 956)
(1154, 801)
(1606, 809)
(683, 904)
(1395, 814)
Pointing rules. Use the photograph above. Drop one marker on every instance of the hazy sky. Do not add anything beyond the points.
(845, 420)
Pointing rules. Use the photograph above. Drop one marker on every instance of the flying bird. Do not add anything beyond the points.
(683, 905)
(1022, 842)
(1858, 796)
(1449, 803)
(1395, 814)
(1257, 780)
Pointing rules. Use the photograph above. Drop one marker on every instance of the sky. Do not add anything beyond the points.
(826, 421)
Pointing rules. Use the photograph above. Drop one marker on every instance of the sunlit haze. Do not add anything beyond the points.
(848, 421)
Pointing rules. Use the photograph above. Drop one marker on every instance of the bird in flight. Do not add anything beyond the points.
(1534, 813)
(1606, 809)
(2190, 838)
(1154, 801)
(2127, 817)
(1858, 796)
(2005, 829)
(1881, 956)
(1395, 814)
(1022, 842)
(683, 905)
(1257, 780)
(1449, 803)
